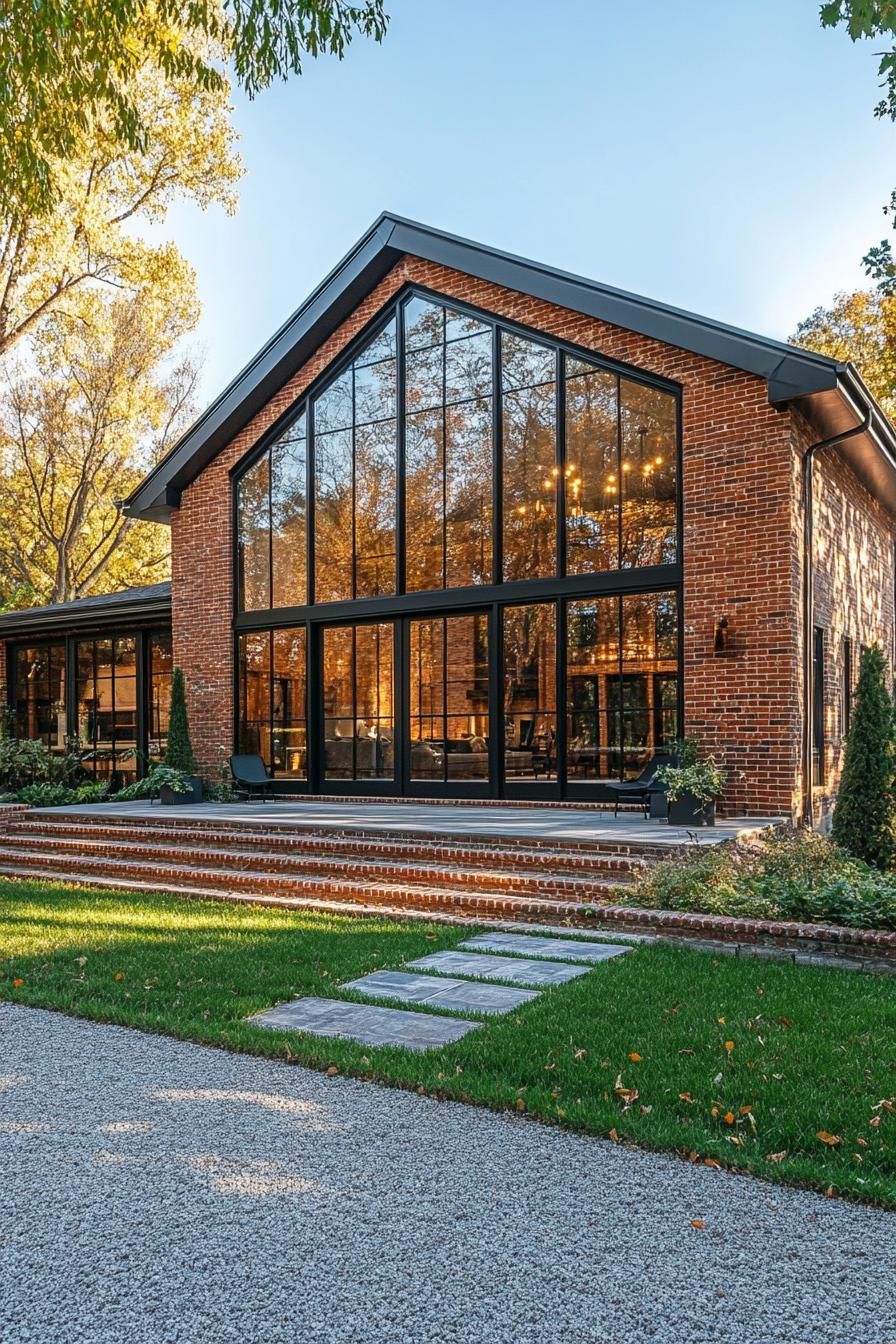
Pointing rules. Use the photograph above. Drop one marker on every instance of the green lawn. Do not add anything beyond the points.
(723, 1060)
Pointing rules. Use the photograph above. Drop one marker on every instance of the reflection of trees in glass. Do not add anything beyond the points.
(648, 466)
(355, 480)
(448, 446)
(618, 478)
(531, 474)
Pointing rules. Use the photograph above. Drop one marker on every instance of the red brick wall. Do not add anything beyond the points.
(741, 545)
(854, 587)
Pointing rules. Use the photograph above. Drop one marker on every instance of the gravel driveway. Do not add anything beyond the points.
(153, 1190)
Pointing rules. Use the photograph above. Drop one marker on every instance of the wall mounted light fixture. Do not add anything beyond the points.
(722, 635)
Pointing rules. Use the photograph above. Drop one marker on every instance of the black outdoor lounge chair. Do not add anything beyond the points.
(251, 778)
(639, 790)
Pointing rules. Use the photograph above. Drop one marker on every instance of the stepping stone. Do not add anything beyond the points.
(528, 945)
(440, 992)
(514, 969)
(367, 1023)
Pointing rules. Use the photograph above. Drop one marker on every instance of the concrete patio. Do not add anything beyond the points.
(536, 822)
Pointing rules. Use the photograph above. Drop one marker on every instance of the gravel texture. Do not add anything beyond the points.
(155, 1190)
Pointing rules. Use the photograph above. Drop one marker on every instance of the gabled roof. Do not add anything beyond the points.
(131, 605)
(792, 374)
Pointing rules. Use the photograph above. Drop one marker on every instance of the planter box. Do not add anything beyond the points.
(193, 794)
(687, 810)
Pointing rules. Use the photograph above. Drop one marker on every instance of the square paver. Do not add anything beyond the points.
(441, 992)
(559, 949)
(368, 1023)
(515, 969)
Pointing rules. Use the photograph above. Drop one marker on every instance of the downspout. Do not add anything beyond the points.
(809, 602)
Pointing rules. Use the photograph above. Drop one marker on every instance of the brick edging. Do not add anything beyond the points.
(821, 940)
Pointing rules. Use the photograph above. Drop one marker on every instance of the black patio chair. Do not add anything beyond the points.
(639, 790)
(251, 778)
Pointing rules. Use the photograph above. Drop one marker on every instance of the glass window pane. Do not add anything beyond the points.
(427, 703)
(530, 692)
(468, 494)
(591, 472)
(424, 371)
(255, 695)
(375, 509)
(338, 702)
(380, 347)
(289, 745)
(525, 363)
(334, 408)
(161, 665)
(333, 516)
(649, 667)
(593, 749)
(288, 518)
(424, 323)
(374, 728)
(466, 698)
(253, 542)
(462, 324)
(468, 368)
(648, 476)
(40, 695)
(530, 484)
(375, 392)
(424, 503)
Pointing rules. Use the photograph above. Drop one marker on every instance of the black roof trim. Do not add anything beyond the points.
(790, 371)
(134, 605)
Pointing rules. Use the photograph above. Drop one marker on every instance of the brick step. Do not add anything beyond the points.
(273, 889)
(322, 843)
(227, 858)
(168, 818)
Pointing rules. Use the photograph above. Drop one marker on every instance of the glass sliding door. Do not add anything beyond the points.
(106, 687)
(448, 709)
(622, 688)
(357, 691)
(530, 693)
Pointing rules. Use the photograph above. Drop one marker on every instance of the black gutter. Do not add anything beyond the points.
(809, 600)
(32, 621)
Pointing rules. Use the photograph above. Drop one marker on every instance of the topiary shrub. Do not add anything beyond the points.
(865, 811)
(179, 752)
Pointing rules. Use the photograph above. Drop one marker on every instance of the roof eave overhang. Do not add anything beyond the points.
(792, 374)
(37, 621)
(872, 455)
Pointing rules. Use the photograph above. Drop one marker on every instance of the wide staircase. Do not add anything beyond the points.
(344, 867)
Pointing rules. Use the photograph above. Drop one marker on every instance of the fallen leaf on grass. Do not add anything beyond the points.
(830, 1139)
(686, 1096)
(711, 1162)
(332, 1071)
(119, 975)
(776, 1157)
(635, 1057)
(613, 1135)
(729, 1046)
(520, 1104)
(17, 984)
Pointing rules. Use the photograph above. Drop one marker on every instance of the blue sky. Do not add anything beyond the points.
(719, 156)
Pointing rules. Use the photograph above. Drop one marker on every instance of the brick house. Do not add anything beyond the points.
(470, 526)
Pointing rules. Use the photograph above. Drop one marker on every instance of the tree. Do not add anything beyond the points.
(860, 327)
(66, 69)
(865, 812)
(179, 751)
(102, 398)
(104, 190)
(873, 19)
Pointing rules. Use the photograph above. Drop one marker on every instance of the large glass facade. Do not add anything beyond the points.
(528, 489)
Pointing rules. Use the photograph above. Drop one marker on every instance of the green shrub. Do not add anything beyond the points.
(48, 794)
(789, 875)
(151, 784)
(865, 811)
(179, 752)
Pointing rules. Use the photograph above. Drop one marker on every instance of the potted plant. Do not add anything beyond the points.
(179, 752)
(692, 785)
